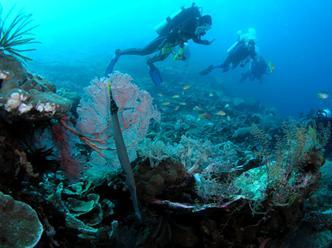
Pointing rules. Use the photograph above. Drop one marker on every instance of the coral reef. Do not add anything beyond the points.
(226, 173)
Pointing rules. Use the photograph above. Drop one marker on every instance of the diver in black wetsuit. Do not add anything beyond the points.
(257, 69)
(189, 24)
(323, 121)
(238, 55)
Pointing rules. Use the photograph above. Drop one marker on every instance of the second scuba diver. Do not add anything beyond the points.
(323, 123)
(257, 69)
(189, 24)
(240, 53)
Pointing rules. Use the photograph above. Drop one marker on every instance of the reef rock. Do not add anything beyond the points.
(27, 96)
(12, 70)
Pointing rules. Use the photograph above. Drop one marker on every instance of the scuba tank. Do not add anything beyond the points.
(246, 37)
(249, 35)
(177, 19)
(239, 38)
(161, 27)
(232, 47)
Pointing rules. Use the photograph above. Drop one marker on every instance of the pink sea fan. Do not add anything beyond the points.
(135, 113)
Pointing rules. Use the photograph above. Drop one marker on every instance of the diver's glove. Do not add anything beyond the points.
(207, 70)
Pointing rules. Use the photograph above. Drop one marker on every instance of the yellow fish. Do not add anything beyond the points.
(177, 108)
(186, 87)
(221, 113)
(176, 97)
(182, 103)
(323, 95)
(166, 103)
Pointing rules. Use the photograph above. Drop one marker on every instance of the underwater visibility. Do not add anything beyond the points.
(171, 123)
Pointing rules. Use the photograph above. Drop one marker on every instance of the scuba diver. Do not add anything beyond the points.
(324, 115)
(240, 53)
(323, 121)
(188, 24)
(257, 69)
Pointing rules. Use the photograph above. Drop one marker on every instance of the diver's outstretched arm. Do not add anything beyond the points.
(202, 42)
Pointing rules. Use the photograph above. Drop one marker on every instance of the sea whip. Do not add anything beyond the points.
(123, 154)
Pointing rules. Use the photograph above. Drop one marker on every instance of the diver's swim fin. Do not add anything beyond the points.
(111, 65)
(155, 75)
(207, 70)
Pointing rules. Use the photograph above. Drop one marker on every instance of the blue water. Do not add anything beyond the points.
(295, 35)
